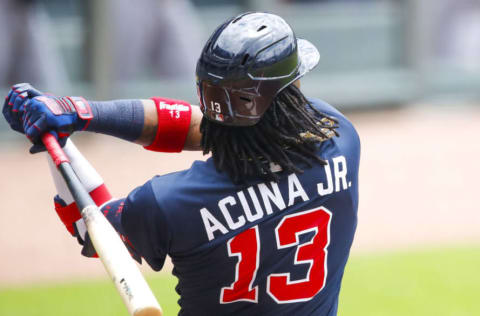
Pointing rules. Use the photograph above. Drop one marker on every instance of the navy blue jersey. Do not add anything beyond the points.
(264, 248)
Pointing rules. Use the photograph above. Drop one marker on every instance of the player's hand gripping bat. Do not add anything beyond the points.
(128, 280)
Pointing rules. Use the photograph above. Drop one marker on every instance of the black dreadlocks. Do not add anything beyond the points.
(287, 132)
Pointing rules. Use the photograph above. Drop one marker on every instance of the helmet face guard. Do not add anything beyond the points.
(246, 63)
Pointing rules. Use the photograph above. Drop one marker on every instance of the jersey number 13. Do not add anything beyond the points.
(246, 246)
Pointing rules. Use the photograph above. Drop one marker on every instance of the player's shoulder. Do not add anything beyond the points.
(346, 127)
(185, 184)
(171, 193)
(327, 109)
(324, 107)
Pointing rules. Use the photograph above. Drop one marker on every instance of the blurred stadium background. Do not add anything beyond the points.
(407, 73)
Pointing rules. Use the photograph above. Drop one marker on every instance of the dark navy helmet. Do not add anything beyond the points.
(246, 62)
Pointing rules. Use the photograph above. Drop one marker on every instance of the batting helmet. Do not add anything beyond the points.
(246, 62)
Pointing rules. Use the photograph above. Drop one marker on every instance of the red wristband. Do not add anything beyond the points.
(173, 125)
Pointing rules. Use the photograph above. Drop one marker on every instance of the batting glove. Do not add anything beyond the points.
(14, 105)
(62, 116)
(71, 218)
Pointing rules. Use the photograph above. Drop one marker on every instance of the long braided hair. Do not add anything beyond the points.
(287, 133)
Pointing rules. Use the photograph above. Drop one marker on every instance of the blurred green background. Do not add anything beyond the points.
(427, 282)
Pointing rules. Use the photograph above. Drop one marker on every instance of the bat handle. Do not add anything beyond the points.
(54, 149)
(61, 161)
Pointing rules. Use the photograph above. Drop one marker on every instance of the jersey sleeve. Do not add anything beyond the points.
(113, 213)
(145, 226)
(325, 108)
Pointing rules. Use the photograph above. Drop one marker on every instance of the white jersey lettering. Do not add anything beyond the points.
(211, 224)
(320, 187)
(295, 190)
(275, 197)
(222, 204)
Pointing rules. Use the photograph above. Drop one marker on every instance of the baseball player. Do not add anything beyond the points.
(264, 226)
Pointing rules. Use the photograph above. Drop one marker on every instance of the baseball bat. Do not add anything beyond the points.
(126, 276)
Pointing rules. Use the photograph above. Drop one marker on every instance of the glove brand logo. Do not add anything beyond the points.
(51, 104)
(82, 107)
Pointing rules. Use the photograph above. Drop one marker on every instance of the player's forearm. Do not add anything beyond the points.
(149, 124)
(159, 124)
(124, 119)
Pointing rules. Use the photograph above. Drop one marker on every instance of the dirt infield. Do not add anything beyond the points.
(418, 187)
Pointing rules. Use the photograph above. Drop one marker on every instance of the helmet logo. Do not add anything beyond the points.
(219, 117)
